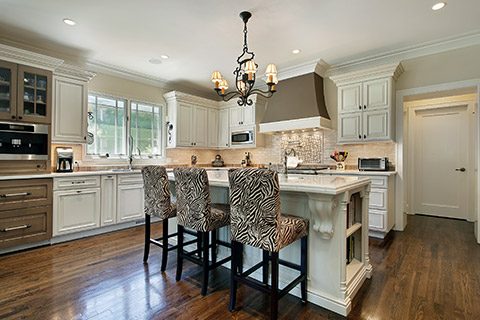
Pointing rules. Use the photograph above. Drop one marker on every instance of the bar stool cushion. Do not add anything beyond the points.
(255, 211)
(291, 229)
(194, 208)
(157, 193)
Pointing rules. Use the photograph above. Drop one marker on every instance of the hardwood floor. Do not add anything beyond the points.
(430, 271)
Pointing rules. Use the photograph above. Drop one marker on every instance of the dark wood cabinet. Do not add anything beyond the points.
(25, 211)
(8, 90)
(25, 93)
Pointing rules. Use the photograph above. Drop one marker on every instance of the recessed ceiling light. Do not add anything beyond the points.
(164, 56)
(296, 51)
(155, 61)
(438, 6)
(70, 22)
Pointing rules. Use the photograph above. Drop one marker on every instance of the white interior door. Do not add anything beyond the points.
(441, 161)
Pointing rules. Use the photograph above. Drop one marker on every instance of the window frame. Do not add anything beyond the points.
(127, 121)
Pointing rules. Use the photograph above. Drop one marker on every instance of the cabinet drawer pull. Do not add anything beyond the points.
(25, 226)
(20, 194)
(78, 182)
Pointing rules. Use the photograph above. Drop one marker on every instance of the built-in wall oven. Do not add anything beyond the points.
(243, 137)
(22, 141)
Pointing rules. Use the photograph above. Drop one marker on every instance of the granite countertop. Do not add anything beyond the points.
(358, 172)
(322, 184)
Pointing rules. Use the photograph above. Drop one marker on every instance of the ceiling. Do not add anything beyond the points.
(202, 36)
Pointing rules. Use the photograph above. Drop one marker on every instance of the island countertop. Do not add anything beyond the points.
(324, 184)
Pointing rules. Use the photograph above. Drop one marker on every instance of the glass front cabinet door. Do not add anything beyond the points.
(34, 95)
(8, 91)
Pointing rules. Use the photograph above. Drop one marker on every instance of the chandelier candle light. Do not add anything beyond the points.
(245, 74)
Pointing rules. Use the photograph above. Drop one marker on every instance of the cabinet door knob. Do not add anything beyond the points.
(84, 138)
(13, 117)
(20, 117)
(359, 107)
(364, 107)
(364, 136)
(359, 136)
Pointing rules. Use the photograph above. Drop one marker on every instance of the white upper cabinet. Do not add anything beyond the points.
(189, 121)
(70, 104)
(377, 94)
(184, 125)
(200, 122)
(242, 116)
(350, 127)
(70, 111)
(376, 125)
(366, 104)
(349, 98)
(223, 129)
(213, 130)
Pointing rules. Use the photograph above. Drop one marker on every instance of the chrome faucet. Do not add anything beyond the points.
(287, 153)
(130, 152)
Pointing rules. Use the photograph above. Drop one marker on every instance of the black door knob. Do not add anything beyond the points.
(13, 117)
(364, 136)
(461, 169)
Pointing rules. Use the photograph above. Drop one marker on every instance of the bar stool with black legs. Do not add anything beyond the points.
(256, 221)
(158, 204)
(196, 212)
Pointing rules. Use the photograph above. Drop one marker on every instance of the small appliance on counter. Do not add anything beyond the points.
(218, 162)
(64, 159)
(373, 164)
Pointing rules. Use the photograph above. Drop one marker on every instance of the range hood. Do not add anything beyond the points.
(299, 104)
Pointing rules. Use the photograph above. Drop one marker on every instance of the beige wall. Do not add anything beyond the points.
(450, 66)
(116, 86)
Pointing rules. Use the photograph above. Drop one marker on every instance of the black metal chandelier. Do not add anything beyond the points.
(245, 74)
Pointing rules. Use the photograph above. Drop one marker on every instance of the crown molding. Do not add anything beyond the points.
(189, 98)
(29, 58)
(75, 72)
(318, 66)
(411, 52)
(393, 70)
(126, 73)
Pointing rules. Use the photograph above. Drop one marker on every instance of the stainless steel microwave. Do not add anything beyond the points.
(373, 164)
(22, 141)
(243, 137)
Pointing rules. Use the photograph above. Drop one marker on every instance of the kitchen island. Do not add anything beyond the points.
(337, 208)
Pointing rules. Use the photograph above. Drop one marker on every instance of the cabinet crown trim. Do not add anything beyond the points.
(393, 70)
(29, 58)
(74, 72)
(188, 98)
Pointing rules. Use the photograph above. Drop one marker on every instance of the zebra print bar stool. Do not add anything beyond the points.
(196, 212)
(256, 221)
(158, 204)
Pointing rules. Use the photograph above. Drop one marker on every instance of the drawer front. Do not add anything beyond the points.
(136, 178)
(378, 199)
(76, 182)
(24, 226)
(25, 193)
(379, 182)
(376, 220)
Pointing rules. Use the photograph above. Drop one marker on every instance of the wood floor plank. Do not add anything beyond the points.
(429, 271)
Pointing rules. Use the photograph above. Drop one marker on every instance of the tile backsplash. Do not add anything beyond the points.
(312, 147)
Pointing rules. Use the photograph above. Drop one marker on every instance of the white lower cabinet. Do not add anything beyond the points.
(130, 202)
(82, 203)
(109, 200)
(76, 210)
